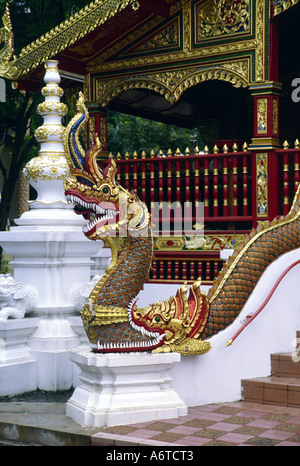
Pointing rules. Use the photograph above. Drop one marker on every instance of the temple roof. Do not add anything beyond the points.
(95, 28)
(147, 57)
(77, 40)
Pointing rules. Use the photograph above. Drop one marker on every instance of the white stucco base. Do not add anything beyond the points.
(117, 389)
(216, 376)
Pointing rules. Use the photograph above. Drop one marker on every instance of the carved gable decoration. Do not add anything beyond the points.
(165, 38)
(219, 19)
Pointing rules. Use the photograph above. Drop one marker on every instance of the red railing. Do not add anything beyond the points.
(178, 267)
(288, 169)
(220, 181)
(225, 182)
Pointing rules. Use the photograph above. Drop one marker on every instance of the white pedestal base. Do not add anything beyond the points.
(120, 389)
(35, 354)
(18, 372)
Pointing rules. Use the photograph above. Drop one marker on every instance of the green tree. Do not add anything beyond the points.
(18, 117)
(18, 121)
(33, 18)
(127, 133)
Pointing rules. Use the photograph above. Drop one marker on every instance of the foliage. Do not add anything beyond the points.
(18, 121)
(33, 18)
(5, 266)
(18, 117)
(127, 133)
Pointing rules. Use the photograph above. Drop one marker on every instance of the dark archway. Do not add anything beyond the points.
(219, 109)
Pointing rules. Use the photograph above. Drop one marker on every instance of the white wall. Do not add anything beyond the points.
(216, 376)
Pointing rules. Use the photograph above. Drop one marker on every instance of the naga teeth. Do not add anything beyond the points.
(128, 345)
(108, 213)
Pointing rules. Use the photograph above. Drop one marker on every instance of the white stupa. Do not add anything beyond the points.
(51, 254)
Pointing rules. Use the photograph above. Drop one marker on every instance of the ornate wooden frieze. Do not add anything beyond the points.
(207, 242)
(201, 40)
(166, 37)
(220, 19)
(173, 83)
(198, 32)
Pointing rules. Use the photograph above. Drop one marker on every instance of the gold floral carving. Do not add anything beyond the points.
(46, 108)
(262, 184)
(216, 18)
(186, 14)
(46, 168)
(260, 15)
(43, 132)
(172, 243)
(247, 46)
(213, 242)
(51, 90)
(262, 115)
(208, 242)
(275, 116)
(168, 36)
(172, 84)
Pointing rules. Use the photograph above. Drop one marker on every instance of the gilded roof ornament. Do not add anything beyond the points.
(57, 39)
(7, 58)
(280, 6)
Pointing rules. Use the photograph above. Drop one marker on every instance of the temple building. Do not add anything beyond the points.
(228, 66)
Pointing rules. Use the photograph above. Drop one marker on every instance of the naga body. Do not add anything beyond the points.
(111, 317)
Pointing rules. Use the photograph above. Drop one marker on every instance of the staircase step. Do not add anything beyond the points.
(281, 391)
(285, 365)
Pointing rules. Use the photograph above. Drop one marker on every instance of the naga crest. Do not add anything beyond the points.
(109, 208)
(110, 316)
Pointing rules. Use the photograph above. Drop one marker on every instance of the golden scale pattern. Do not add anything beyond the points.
(239, 276)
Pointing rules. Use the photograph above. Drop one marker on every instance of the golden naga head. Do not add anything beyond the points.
(109, 208)
(182, 319)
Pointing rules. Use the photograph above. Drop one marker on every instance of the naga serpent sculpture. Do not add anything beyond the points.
(111, 318)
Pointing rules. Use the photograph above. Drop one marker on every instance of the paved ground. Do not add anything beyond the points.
(39, 419)
(226, 424)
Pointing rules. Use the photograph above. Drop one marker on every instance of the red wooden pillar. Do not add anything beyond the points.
(234, 187)
(97, 124)
(245, 186)
(206, 188)
(143, 181)
(265, 190)
(296, 170)
(225, 186)
(215, 188)
(266, 113)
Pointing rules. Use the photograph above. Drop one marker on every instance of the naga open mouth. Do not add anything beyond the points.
(141, 338)
(130, 346)
(97, 214)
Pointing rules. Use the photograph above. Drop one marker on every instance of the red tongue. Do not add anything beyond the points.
(82, 211)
